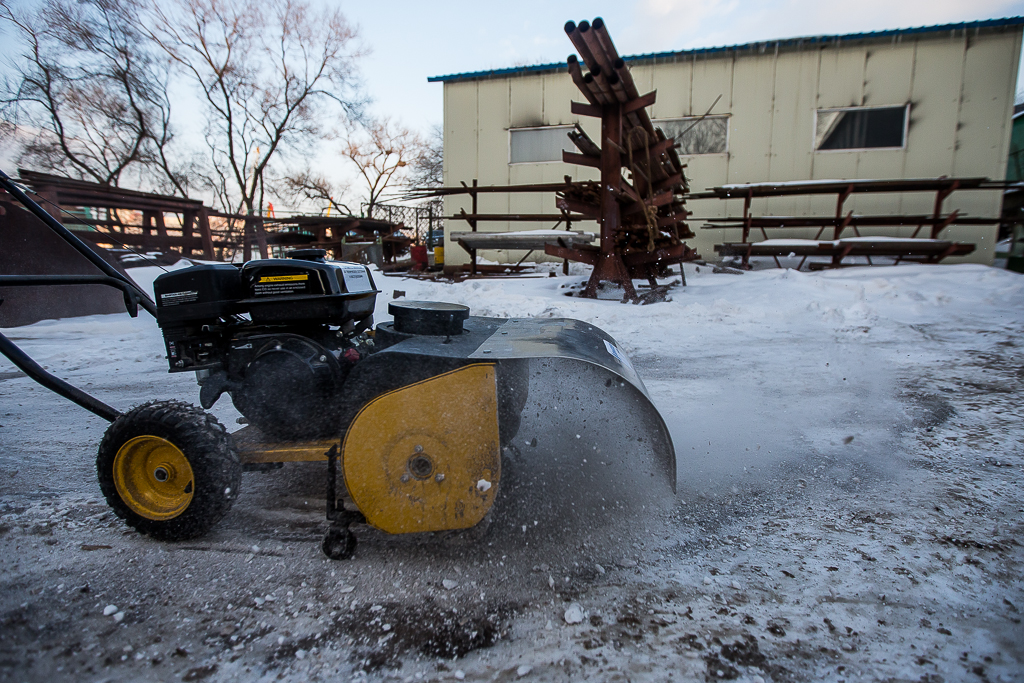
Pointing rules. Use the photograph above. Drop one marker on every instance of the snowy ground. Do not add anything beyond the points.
(850, 447)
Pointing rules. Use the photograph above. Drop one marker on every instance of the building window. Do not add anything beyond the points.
(861, 128)
(696, 135)
(538, 145)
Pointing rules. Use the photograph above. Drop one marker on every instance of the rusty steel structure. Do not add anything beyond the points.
(639, 201)
(926, 248)
(113, 217)
(473, 217)
(334, 233)
(642, 217)
(159, 222)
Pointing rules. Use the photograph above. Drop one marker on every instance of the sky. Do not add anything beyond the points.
(414, 40)
(408, 41)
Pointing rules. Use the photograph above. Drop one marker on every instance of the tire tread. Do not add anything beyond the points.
(216, 467)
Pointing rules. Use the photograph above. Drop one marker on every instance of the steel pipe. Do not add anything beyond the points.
(55, 384)
(577, 77)
(576, 36)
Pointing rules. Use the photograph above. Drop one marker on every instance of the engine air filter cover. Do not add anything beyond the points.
(428, 317)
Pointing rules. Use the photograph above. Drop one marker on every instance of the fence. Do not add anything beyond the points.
(424, 223)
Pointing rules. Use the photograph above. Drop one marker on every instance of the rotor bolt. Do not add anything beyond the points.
(439, 478)
(418, 449)
(405, 478)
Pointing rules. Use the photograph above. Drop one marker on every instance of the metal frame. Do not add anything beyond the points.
(844, 189)
(134, 298)
(195, 237)
(658, 186)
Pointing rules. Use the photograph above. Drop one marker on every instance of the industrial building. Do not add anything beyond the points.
(896, 104)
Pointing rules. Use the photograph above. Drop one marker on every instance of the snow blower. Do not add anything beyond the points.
(412, 416)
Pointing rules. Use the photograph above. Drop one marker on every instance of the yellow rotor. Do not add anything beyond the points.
(426, 457)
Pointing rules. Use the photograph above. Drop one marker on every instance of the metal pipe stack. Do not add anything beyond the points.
(643, 217)
(609, 81)
(650, 158)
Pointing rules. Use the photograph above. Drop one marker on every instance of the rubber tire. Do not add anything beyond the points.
(339, 544)
(216, 470)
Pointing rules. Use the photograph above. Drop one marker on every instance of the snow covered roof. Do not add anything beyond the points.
(760, 46)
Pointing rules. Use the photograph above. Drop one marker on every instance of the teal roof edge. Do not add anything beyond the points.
(762, 44)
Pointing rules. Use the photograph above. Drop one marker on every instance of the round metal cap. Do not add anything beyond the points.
(428, 317)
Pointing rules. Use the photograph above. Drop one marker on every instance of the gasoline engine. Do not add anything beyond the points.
(280, 336)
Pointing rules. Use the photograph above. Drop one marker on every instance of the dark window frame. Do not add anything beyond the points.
(867, 110)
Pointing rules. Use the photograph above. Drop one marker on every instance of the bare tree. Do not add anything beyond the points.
(315, 188)
(268, 73)
(381, 152)
(88, 92)
(428, 166)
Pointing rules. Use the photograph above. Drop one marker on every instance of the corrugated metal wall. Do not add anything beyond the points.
(959, 85)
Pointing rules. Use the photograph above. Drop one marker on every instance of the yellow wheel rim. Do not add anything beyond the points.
(153, 477)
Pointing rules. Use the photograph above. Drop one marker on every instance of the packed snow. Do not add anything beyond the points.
(849, 447)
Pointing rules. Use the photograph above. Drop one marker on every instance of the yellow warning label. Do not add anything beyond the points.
(284, 278)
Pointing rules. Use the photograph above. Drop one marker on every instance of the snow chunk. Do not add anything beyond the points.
(449, 584)
(483, 485)
(573, 614)
(109, 609)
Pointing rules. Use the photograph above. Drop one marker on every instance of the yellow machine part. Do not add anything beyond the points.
(153, 477)
(426, 457)
(253, 447)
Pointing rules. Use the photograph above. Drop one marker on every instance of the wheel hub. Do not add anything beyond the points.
(421, 466)
(153, 477)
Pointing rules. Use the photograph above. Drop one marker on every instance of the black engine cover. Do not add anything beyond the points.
(291, 386)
